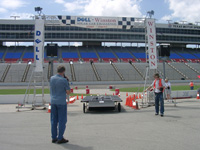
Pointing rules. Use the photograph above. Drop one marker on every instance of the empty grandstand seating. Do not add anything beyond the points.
(1, 55)
(70, 56)
(87, 56)
(140, 56)
(107, 56)
(28, 56)
(107, 72)
(175, 57)
(124, 56)
(12, 56)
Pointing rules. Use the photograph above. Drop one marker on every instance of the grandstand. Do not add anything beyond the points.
(183, 63)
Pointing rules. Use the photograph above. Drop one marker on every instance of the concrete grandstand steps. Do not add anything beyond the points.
(128, 72)
(138, 70)
(72, 72)
(25, 73)
(181, 73)
(15, 72)
(84, 72)
(117, 71)
(107, 72)
(4, 70)
(196, 66)
(95, 72)
(188, 65)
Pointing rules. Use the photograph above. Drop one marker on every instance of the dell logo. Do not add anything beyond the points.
(79, 19)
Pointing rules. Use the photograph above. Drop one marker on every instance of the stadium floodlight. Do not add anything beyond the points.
(168, 21)
(38, 10)
(197, 23)
(183, 22)
(150, 13)
(15, 17)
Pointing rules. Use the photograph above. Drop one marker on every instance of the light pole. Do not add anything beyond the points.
(15, 17)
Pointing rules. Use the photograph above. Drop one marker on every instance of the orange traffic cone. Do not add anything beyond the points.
(105, 94)
(82, 96)
(140, 97)
(72, 99)
(49, 109)
(135, 105)
(130, 101)
(77, 98)
(136, 96)
(127, 101)
(113, 93)
(126, 93)
(198, 95)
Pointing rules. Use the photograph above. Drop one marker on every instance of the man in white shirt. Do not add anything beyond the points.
(158, 85)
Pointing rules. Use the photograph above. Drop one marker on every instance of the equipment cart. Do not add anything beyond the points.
(102, 101)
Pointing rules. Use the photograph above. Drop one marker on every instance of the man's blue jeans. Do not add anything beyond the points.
(159, 98)
(58, 120)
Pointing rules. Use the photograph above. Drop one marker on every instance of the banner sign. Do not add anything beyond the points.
(97, 22)
(39, 45)
(151, 36)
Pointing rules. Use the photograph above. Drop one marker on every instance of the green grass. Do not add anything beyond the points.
(39, 91)
(174, 88)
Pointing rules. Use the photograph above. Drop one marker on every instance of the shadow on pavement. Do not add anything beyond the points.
(75, 147)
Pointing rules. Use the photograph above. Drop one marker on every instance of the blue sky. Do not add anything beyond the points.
(176, 10)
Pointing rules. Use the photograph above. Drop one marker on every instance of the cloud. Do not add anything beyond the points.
(12, 4)
(187, 10)
(60, 1)
(103, 7)
(113, 8)
(3, 10)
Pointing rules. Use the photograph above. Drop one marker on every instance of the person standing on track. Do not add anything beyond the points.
(191, 85)
(168, 90)
(59, 87)
(158, 85)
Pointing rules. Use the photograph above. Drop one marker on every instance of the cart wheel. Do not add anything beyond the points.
(119, 107)
(84, 107)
